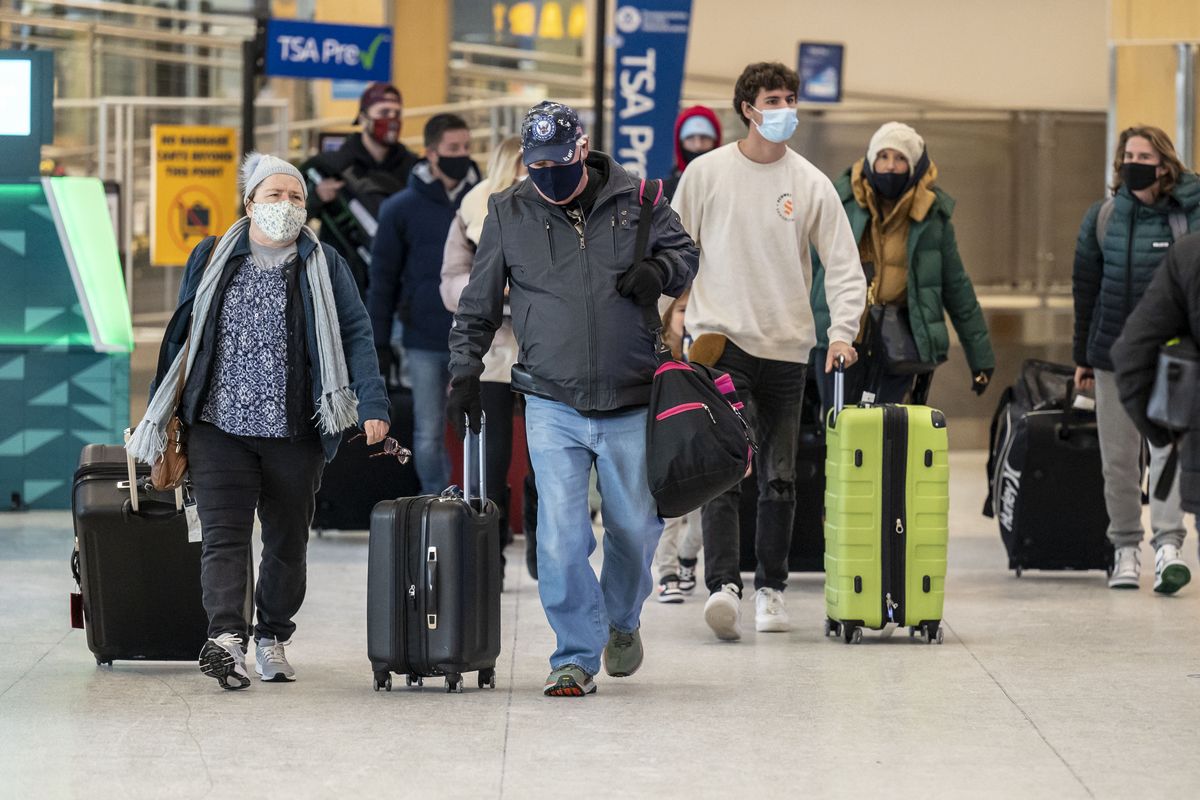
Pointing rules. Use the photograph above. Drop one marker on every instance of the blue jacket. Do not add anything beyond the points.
(406, 261)
(1110, 277)
(361, 362)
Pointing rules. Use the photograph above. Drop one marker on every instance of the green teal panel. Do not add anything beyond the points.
(39, 305)
(56, 400)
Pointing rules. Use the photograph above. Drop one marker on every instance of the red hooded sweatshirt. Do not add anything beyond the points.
(684, 116)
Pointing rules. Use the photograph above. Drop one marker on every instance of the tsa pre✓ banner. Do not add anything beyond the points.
(651, 48)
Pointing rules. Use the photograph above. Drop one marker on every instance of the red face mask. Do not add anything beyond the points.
(385, 131)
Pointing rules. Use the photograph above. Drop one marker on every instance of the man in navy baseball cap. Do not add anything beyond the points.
(561, 246)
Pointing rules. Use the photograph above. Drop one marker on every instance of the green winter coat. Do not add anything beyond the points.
(937, 284)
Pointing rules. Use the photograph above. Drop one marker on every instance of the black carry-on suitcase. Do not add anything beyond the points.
(433, 585)
(1045, 479)
(138, 575)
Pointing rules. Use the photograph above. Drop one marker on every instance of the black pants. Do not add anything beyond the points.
(232, 476)
(773, 392)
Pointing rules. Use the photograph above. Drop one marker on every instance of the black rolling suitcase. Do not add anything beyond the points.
(807, 553)
(433, 585)
(354, 481)
(1045, 479)
(138, 574)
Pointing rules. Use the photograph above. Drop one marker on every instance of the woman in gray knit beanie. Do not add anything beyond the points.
(278, 363)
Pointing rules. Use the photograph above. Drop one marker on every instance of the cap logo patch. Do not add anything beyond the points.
(543, 128)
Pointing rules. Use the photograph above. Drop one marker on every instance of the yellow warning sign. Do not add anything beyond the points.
(193, 188)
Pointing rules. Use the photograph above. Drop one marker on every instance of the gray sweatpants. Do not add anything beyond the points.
(681, 538)
(1120, 451)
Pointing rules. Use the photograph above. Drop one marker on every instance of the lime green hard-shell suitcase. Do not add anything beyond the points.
(887, 503)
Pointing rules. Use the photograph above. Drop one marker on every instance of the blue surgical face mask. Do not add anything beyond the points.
(778, 124)
(558, 182)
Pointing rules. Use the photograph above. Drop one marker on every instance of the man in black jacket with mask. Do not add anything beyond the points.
(375, 165)
(562, 243)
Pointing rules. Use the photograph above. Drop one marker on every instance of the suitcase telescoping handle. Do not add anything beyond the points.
(481, 440)
(839, 388)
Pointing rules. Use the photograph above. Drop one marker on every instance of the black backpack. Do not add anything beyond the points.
(697, 443)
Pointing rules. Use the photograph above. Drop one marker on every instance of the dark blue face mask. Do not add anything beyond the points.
(888, 185)
(557, 182)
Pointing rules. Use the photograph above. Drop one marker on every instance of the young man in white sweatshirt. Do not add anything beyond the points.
(755, 208)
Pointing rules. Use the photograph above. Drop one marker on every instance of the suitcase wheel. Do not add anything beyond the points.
(487, 678)
(454, 683)
(103, 662)
(852, 634)
(832, 628)
(933, 633)
(414, 680)
(1018, 572)
(383, 680)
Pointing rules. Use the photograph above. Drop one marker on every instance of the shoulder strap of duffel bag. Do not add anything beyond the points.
(649, 193)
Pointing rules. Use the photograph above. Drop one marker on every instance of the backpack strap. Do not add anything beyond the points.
(1102, 219)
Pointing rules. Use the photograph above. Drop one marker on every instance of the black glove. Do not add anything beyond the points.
(463, 403)
(981, 381)
(386, 357)
(643, 282)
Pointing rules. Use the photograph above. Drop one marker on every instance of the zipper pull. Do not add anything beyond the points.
(582, 246)
(899, 527)
(887, 602)
(412, 593)
(710, 414)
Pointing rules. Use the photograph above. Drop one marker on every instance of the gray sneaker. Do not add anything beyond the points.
(272, 663)
(568, 681)
(224, 659)
(623, 653)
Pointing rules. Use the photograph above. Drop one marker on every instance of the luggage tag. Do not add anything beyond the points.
(195, 533)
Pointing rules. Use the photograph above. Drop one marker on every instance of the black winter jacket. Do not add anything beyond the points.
(1111, 276)
(588, 346)
(1170, 308)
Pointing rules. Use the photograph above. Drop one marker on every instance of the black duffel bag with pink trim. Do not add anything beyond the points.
(698, 445)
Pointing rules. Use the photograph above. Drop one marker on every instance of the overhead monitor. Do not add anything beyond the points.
(26, 110)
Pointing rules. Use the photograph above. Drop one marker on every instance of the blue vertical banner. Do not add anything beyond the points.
(821, 72)
(651, 48)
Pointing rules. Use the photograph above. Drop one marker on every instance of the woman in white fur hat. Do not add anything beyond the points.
(906, 242)
(279, 362)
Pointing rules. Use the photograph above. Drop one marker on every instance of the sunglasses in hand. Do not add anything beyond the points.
(391, 447)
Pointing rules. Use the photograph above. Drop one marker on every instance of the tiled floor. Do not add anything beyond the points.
(1047, 686)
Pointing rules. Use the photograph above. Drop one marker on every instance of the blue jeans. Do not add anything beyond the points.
(563, 445)
(430, 375)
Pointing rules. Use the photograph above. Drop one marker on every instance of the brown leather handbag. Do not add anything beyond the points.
(170, 469)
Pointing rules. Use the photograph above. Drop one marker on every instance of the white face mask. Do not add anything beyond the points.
(281, 221)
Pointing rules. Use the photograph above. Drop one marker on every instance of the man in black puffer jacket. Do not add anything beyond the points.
(1121, 244)
(1170, 308)
(562, 244)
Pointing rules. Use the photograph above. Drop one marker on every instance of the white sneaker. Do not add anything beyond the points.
(223, 658)
(1170, 573)
(271, 663)
(723, 612)
(1127, 567)
(770, 613)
